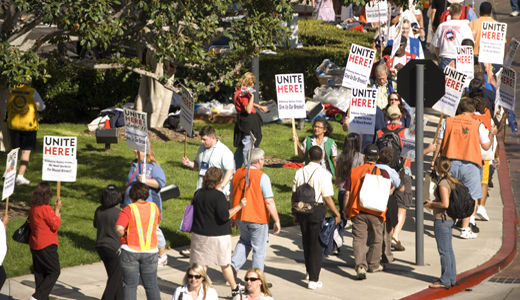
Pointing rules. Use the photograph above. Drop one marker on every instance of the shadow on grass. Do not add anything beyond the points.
(175, 238)
(80, 241)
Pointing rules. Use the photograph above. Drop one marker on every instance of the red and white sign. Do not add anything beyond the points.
(136, 130)
(464, 62)
(59, 158)
(505, 96)
(454, 81)
(290, 93)
(362, 117)
(492, 42)
(359, 66)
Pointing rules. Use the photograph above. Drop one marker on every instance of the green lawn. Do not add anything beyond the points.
(97, 168)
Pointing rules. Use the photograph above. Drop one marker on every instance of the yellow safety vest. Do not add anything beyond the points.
(21, 109)
(135, 232)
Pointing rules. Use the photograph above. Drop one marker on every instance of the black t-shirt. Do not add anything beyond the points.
(105, 222)
(210, 213)
(440, 6)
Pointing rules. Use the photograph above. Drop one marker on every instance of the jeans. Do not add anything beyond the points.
(470, 175)
(241, 152)
(444, 61)
(46, 269)
(135, 265)
(255, 236)
(114, 287)
(514, 5)
(341, 199)
(442, 229)
(511, 118)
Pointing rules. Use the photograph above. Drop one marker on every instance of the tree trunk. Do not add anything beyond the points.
(153, 98)
(5, 143)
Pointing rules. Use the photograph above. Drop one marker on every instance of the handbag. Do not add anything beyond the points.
(374, 192)
(187, 220)
(22, 234)
(490, 153)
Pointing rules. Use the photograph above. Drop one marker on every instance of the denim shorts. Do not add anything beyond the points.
(470, 175)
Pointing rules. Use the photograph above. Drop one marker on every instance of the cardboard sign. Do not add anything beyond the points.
(408, 140)
(397, 41)
(492, 42)
(376, 11)
(359, 66)
(511, 52)
(136, 130)
(59, 158)
(464, 62)
(454, 82)
(10, 173)
(187, 111)
(290, 93)
(505, 96)
(362, 118)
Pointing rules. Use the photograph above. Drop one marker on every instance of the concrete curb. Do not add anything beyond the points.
(509, 240)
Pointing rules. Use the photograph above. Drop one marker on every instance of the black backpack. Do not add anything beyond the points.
(391, 138)
(303, 199)
(461, 204)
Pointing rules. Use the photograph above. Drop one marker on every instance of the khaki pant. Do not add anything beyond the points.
(367, 232)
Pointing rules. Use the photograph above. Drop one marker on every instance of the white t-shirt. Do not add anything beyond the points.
(212, 294)
(449, 36)
(321, 181)
(218, 156)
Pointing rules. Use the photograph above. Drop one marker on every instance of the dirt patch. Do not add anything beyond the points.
(273, 162)
(154, 134)
(17, 209)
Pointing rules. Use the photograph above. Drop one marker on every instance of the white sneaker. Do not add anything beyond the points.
(466, 233)
(163, 260)
(314, 285)
(472, 219)
(482, 213)
(21, 180)
(514, 13)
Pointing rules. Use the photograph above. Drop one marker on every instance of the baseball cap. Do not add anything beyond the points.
(455, 1)
(372, 150)
(393, 111)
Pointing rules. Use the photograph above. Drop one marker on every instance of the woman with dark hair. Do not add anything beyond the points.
(350, 158)
(321, 132)
(108, 242)
(256, 286)
(395, 99)
(211, 229)
(43, 241)
(195, 285)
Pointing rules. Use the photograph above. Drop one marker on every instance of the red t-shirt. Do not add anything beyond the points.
(44, 227)
(241, 101)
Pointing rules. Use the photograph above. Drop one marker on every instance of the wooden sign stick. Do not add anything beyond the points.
(58, 190)
(437, 130)
(294, 133)
(185, 143)
(6, 205)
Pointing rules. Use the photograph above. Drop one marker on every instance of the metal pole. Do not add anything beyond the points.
(255, 69)
(419, 159)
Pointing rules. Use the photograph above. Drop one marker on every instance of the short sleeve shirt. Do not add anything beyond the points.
(321, 180)
(449, 36)
(333, 149)
(218, 156)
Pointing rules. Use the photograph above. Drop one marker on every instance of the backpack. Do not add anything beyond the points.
(463, 15)
(303, 199)
(461, 204)
(391, 138)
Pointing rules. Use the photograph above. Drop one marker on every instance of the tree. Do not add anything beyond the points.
(165, 41)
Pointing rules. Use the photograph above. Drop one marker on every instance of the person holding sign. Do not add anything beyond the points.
(22, 121)
(43, 241)
(248, 121)
(321, 129)
(147, 170)
(485, 10)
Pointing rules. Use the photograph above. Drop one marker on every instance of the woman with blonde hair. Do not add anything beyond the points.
(443, 224)
(256, 286)
(195, 285)
(152, 175)
(248, 120)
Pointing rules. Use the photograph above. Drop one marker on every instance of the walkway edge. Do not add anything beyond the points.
(509, 240)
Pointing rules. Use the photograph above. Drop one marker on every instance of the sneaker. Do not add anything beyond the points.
(314, 285)
(378, 269)
(514, 13)
(21, 180)
(482, 213)
(163, 260)
(186, 252)
(361, 273)
(239, 290)
(467, 234)
(474, 227)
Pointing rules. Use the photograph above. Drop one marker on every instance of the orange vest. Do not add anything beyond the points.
(485, 118)
(356, 181)
(461, 139)
(255, 211)
(141, 234)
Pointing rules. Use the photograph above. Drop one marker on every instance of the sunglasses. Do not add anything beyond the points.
(251, 279)
(198, 276)
(394, 99)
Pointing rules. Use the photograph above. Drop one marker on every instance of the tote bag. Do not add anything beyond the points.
(490, 153)
(187, 220)
(374, 192)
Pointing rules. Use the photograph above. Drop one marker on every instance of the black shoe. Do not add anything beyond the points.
(474, 228)
(458, 224)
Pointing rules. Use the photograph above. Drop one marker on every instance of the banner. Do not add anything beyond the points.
(505, 96)
(136, 130)
(376, 11)
(511, 52)
(187, 111)
(408, 150)
(465, 62)
(454, 82)
(492, 42)
(10, 173)
(362, 118)
(59, 158)
(290, 93)
(359, 66)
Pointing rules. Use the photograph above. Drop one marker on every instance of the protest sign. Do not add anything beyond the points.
(362, 117)
(376, 11)
(505, 95)
(136, 130)
(290, 93)
(454, 82)
(59, 158)
(492, 42)
(408, 140)
(511, 52)
(359, 66)
(464, 62)
(187, 111)
(10, 173)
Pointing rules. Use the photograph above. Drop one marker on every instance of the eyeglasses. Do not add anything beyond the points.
(394, 99)
(318, 127)
(198, 276)
(251, 279)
